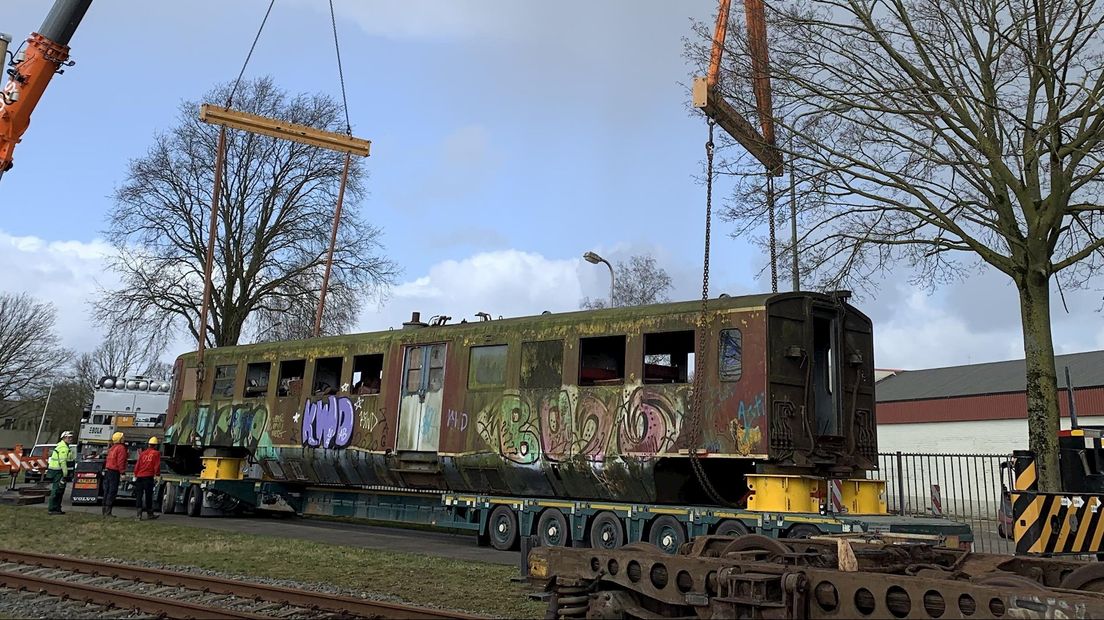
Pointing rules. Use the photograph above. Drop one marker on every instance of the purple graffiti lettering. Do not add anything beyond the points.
(328, 422)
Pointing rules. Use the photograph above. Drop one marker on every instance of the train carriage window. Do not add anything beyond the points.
(291, 377)
(731, 353)
(367, 373)
(669, 357)
(414, 370)
(487, 367)
(224, 381)
(327, 375)
(256, 379)
(542, 364)
(602, 360)
(436, 367)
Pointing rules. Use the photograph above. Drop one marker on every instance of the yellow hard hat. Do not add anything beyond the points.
(117, 438)
(152, 441)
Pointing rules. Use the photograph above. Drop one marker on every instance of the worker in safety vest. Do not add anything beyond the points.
(114, 468)
(58, 472)
(146, 469)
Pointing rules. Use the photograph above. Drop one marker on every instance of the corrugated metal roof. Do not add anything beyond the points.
(1086, 370)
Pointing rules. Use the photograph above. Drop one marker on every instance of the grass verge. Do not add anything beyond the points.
(418, 579)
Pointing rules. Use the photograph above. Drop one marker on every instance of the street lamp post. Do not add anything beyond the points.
(42, 420)
(594, 259)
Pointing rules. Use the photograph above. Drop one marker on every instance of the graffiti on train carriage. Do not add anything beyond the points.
(229, 424)
(328, 422)
(594, 424)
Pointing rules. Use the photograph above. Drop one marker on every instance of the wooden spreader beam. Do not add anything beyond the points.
(710, 101)
(218, 115)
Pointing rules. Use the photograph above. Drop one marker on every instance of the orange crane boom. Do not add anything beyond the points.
(46, 53)
(708, 98)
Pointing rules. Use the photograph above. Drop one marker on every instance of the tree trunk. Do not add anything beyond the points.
(1042, 381)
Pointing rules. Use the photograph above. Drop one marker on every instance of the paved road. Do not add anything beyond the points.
(441, 544)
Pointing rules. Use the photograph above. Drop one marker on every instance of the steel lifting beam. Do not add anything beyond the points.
(218, 115)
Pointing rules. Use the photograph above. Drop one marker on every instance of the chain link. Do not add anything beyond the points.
(773, 239)
(695, 418)
(340, 72)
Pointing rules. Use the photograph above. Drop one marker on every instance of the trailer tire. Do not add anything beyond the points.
(168, 499)
(667, 534)
(552, 529)
(606, 531)
(193, 503)
(731, 527)
(502, 528)
(803, 530)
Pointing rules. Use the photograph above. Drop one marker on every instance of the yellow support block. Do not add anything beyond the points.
(222, 468)
(783, 493)
(864, 497)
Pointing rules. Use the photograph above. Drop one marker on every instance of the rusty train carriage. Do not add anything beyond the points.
(591, 405)
(577, 426)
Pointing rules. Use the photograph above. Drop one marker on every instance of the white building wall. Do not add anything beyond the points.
(980, 437)
(969, 488)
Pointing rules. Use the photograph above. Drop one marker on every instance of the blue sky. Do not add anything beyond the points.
(508, 139)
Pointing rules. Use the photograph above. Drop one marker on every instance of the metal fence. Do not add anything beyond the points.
(963, 487)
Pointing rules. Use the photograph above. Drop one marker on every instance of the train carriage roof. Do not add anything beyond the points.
(536, 322)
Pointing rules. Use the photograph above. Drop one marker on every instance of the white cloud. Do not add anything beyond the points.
(504, 283)
(61, 272)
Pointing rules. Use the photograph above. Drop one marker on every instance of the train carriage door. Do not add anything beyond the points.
(825, 372)
(420, 407)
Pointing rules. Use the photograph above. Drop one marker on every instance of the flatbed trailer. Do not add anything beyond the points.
(501, 521)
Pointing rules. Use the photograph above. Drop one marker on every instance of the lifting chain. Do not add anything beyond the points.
(697, 397)
(773, 240)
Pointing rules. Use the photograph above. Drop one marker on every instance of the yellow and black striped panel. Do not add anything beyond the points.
(1027, 478)
(1057, 523)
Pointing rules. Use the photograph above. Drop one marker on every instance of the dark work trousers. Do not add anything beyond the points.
(143, 489)
(110, 489)
(57, 489)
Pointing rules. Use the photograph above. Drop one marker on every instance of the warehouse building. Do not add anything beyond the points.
(978, 408)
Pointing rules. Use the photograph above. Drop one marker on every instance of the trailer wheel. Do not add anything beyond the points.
(193, 504)
(667, 534)
(552, 529)
(503, 528)
(803, 530)
(731, 527)
(168, 499)
(606, 531)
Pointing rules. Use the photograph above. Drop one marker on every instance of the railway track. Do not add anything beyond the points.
(173, 594)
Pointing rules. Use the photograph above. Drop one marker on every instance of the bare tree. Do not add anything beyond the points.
(638, 282)
(30, 353)
(121, 353)
(942, 134)
(275, 215)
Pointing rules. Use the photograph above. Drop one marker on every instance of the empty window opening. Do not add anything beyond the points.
(291, 377)
(731, 351)
(542, 364)
(256, 379)
(487, 367)
(669, 357)
(327, 375)
(367, 373)
(224, 381)
(824, 379)
(602, 360)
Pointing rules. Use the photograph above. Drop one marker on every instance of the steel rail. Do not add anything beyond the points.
(320, 601)
(119, 599)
